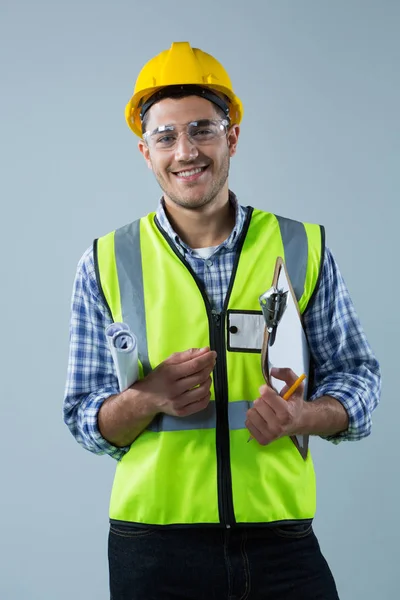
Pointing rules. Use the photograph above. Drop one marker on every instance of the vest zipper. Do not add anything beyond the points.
(225, 500)
(217, 342)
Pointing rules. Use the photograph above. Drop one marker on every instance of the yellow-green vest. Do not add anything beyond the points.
(200, 469)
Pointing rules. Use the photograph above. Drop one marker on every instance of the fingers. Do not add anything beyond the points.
(256, 433)
(264, 409)
(284, 374)
(264, 417)
(187, 383)
(194, 407)
(194, 365)
(294, 387)
(267, 425)
(192, 396)
(273, 416)
(270, 398)
(180, 357)
(284, 390)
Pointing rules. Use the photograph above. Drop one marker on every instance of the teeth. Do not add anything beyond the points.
(189, 173)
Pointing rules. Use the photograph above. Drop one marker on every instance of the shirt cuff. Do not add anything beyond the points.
(358, 413)
(91, 437)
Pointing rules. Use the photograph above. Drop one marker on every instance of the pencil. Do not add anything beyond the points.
(294, 387)
(289, 393)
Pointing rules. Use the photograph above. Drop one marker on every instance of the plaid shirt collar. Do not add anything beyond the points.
(228, 244)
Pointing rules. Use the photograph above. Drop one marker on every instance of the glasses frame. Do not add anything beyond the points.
(224, 124)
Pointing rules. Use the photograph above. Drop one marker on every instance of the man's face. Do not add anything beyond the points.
(169, 165)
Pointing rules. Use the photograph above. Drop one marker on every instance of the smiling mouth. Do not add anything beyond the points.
(190, 173)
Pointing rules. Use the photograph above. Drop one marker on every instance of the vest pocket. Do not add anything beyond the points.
(245, 330)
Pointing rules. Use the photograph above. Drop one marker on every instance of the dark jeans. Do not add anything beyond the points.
(215, 564)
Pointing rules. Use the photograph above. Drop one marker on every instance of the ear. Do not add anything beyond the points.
(233, 138)
(146, 153)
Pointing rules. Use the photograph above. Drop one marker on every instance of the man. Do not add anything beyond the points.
(196, 512)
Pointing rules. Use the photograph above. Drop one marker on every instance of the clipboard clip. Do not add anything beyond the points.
(273, 305)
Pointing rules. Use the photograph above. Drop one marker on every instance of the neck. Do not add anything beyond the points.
(207, 226)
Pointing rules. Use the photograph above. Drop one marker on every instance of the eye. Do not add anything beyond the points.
(203, 131)
(165, 140)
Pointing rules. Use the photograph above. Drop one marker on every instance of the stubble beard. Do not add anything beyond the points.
(187, 202)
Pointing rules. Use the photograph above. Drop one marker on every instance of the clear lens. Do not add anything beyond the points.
(199, 133)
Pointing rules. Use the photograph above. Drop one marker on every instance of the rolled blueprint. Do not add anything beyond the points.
(123, 347)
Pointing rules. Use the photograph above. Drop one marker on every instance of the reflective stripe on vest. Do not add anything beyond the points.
(128, 259)
(206, 419)
(295, 243)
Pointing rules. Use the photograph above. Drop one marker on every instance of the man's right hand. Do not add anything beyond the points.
(180, 385)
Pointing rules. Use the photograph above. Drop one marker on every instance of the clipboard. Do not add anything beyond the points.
(287, 345)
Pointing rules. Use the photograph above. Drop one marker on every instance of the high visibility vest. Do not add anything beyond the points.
(200, 469)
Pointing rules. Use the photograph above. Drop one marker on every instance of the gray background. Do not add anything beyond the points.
(320, 142)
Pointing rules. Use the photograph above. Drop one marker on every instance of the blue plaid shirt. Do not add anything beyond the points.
(345, 367)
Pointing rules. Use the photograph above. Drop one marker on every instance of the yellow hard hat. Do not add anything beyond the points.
(186, 66)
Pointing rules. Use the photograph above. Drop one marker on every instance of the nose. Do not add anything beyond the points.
(185, 149)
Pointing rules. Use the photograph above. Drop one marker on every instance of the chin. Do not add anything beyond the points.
(195, 202)
(194, 199)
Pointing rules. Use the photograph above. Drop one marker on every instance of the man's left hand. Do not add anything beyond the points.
(272, 417)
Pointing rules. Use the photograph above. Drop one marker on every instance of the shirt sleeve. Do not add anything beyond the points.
(345, 367)
(91, 376)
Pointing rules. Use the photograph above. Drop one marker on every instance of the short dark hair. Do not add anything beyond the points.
(178, 96)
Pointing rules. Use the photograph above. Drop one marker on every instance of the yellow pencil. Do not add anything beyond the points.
(289, 393)
(294, 387)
